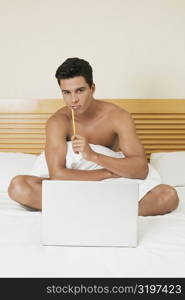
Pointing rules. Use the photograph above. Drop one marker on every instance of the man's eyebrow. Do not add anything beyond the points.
(65, 90)
(82, 87)
(79, 88)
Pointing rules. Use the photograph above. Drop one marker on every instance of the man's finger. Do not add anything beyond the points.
(74, 142)
(76, 136)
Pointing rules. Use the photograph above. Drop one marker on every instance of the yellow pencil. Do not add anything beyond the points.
(73, 119)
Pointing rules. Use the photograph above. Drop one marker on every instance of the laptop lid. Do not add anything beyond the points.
(89, 213)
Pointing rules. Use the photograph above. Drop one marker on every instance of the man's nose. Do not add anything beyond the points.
(75, 98)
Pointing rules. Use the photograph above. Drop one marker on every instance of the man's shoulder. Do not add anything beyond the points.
(60, 117)
(114, 110)
(117, 116)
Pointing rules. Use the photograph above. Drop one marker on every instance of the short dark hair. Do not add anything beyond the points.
(73, 67)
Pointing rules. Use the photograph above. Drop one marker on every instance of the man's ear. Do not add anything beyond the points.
(93, 88)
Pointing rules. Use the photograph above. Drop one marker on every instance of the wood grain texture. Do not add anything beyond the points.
(160, 123)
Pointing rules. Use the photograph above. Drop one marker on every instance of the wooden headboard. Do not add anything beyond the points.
(160, 123)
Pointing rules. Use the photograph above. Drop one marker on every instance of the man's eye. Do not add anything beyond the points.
(65, 92)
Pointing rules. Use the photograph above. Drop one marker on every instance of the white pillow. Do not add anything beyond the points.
(171, 167)
(12, 164)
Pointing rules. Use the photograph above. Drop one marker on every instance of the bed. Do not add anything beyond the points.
(160, 125)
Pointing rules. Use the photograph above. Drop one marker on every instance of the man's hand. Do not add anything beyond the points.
(80, 144)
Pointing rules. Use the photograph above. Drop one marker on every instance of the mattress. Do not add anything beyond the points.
(160, 251)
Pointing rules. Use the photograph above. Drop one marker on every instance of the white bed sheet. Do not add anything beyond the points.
(160, 251)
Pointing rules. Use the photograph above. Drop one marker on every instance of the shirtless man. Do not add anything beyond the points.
(97, 122)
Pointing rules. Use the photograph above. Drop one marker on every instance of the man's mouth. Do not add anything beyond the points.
(75, 107)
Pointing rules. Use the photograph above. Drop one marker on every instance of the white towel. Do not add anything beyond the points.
(76, 161)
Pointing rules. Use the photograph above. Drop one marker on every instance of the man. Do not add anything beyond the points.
(97, 122)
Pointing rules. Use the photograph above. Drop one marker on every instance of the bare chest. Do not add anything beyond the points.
(98, 133)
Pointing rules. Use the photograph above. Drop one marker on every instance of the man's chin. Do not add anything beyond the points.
(79, 111)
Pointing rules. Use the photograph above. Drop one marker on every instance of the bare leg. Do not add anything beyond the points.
(27, 190)
(160, 200)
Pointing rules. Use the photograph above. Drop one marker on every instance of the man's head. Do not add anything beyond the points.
(73, 67)
(76, 82)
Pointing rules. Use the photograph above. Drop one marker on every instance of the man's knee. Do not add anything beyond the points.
(17, 187)
(168, 198)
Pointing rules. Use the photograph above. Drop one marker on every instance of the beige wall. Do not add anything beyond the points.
(136, 47)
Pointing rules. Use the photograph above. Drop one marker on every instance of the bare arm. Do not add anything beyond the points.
(56, 150)
(134, 165)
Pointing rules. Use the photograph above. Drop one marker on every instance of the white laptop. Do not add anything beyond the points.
(89, 213)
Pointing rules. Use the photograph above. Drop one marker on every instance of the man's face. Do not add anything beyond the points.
(77, 94)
